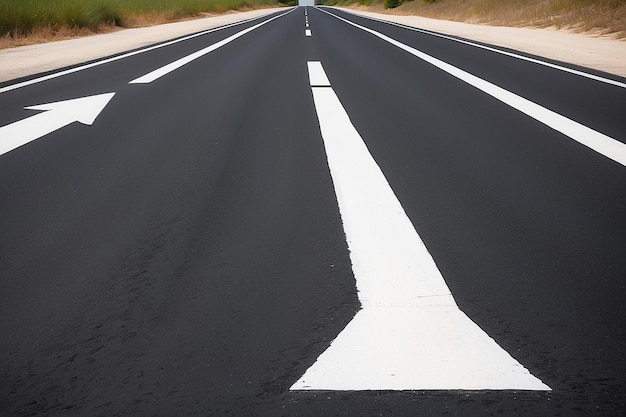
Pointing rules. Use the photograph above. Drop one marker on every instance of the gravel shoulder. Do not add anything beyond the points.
(600, 53)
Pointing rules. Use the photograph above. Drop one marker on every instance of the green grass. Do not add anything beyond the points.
(21, 17)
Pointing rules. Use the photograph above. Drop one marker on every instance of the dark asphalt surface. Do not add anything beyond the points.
(185, 254)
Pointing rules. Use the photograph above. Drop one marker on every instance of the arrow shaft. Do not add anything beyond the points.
(27, 130)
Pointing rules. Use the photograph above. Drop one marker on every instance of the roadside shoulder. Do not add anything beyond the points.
(35, 59)
(596, 52)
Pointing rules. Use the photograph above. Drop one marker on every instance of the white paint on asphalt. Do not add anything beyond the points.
(160, 72)
(55, 116)
(317, 75)
(599, 142)
(410, 334)
(307, 32)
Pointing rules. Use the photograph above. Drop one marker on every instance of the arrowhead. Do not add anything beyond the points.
(84, 110)
(415, 348)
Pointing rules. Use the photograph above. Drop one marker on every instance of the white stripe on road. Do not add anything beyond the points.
(317, 75)
(307, 32)
(116, 58)
(599, 142)
(410, 334)
(160, 72)
(499, 51)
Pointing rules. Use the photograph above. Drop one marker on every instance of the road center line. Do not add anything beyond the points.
(166, 69)
(410, 334)
(599, 142)
(307, 32)
(317, 75)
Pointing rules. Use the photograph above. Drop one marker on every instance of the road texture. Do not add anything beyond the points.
(185, 253)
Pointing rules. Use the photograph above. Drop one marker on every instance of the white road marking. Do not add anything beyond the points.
(160, 72)
(55, 116)
(410, 334)
(499, 51)
(599, 142)
(307, 32)
(317, 75)
(116, 58)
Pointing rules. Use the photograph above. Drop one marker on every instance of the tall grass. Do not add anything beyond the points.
(21, 17)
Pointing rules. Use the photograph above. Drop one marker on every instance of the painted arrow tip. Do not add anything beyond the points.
(84, 110)
(409, 348)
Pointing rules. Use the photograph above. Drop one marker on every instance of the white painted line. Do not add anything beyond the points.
(307, 32)
(410, 334)
(307, 24)
(599, 142)
(317, 75)
(499, 51)
(160, 72)
(116, 58)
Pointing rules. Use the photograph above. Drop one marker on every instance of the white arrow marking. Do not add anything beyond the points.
(410, 333)
(55, 116)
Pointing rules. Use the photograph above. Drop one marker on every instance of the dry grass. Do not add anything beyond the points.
(606, 17)
(50, 34)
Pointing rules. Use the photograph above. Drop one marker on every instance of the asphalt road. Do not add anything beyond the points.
(185, 253)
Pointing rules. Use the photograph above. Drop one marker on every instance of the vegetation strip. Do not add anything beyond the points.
(597, 16)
